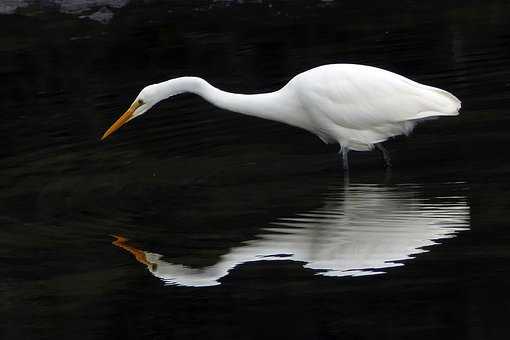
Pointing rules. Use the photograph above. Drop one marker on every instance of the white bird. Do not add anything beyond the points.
(356, 106)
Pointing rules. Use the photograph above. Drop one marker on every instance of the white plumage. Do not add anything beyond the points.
(359, 106)
(354, 105)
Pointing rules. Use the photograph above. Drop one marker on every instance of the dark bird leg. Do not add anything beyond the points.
(385, 154)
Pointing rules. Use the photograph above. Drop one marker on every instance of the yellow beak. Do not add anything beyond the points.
(123, 119)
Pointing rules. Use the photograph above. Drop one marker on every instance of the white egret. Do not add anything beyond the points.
(356, 106)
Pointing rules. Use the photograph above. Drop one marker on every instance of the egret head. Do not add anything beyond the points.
(146, 99)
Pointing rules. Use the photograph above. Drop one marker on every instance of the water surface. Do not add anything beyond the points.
(192, 221)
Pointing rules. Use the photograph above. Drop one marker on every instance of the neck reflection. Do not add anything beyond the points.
(362, 229)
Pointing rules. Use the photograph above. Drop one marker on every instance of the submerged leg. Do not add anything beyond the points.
(385, 153)
(345, 158)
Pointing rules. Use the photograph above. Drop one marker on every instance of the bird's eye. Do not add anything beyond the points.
(140, 102)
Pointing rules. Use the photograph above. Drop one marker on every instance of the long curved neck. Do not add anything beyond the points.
(273, 105)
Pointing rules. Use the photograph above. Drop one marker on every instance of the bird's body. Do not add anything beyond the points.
(359, 106)
(354, 105)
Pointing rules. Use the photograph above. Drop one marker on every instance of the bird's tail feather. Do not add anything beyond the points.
(441, 103)
(431, 114)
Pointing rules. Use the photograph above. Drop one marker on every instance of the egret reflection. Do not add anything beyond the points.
(361, 229)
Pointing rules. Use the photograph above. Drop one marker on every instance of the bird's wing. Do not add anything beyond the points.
(363, 97)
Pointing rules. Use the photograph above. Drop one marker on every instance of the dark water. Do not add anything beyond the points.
(194, 222)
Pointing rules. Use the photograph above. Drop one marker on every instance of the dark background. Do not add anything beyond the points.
(192, 181)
